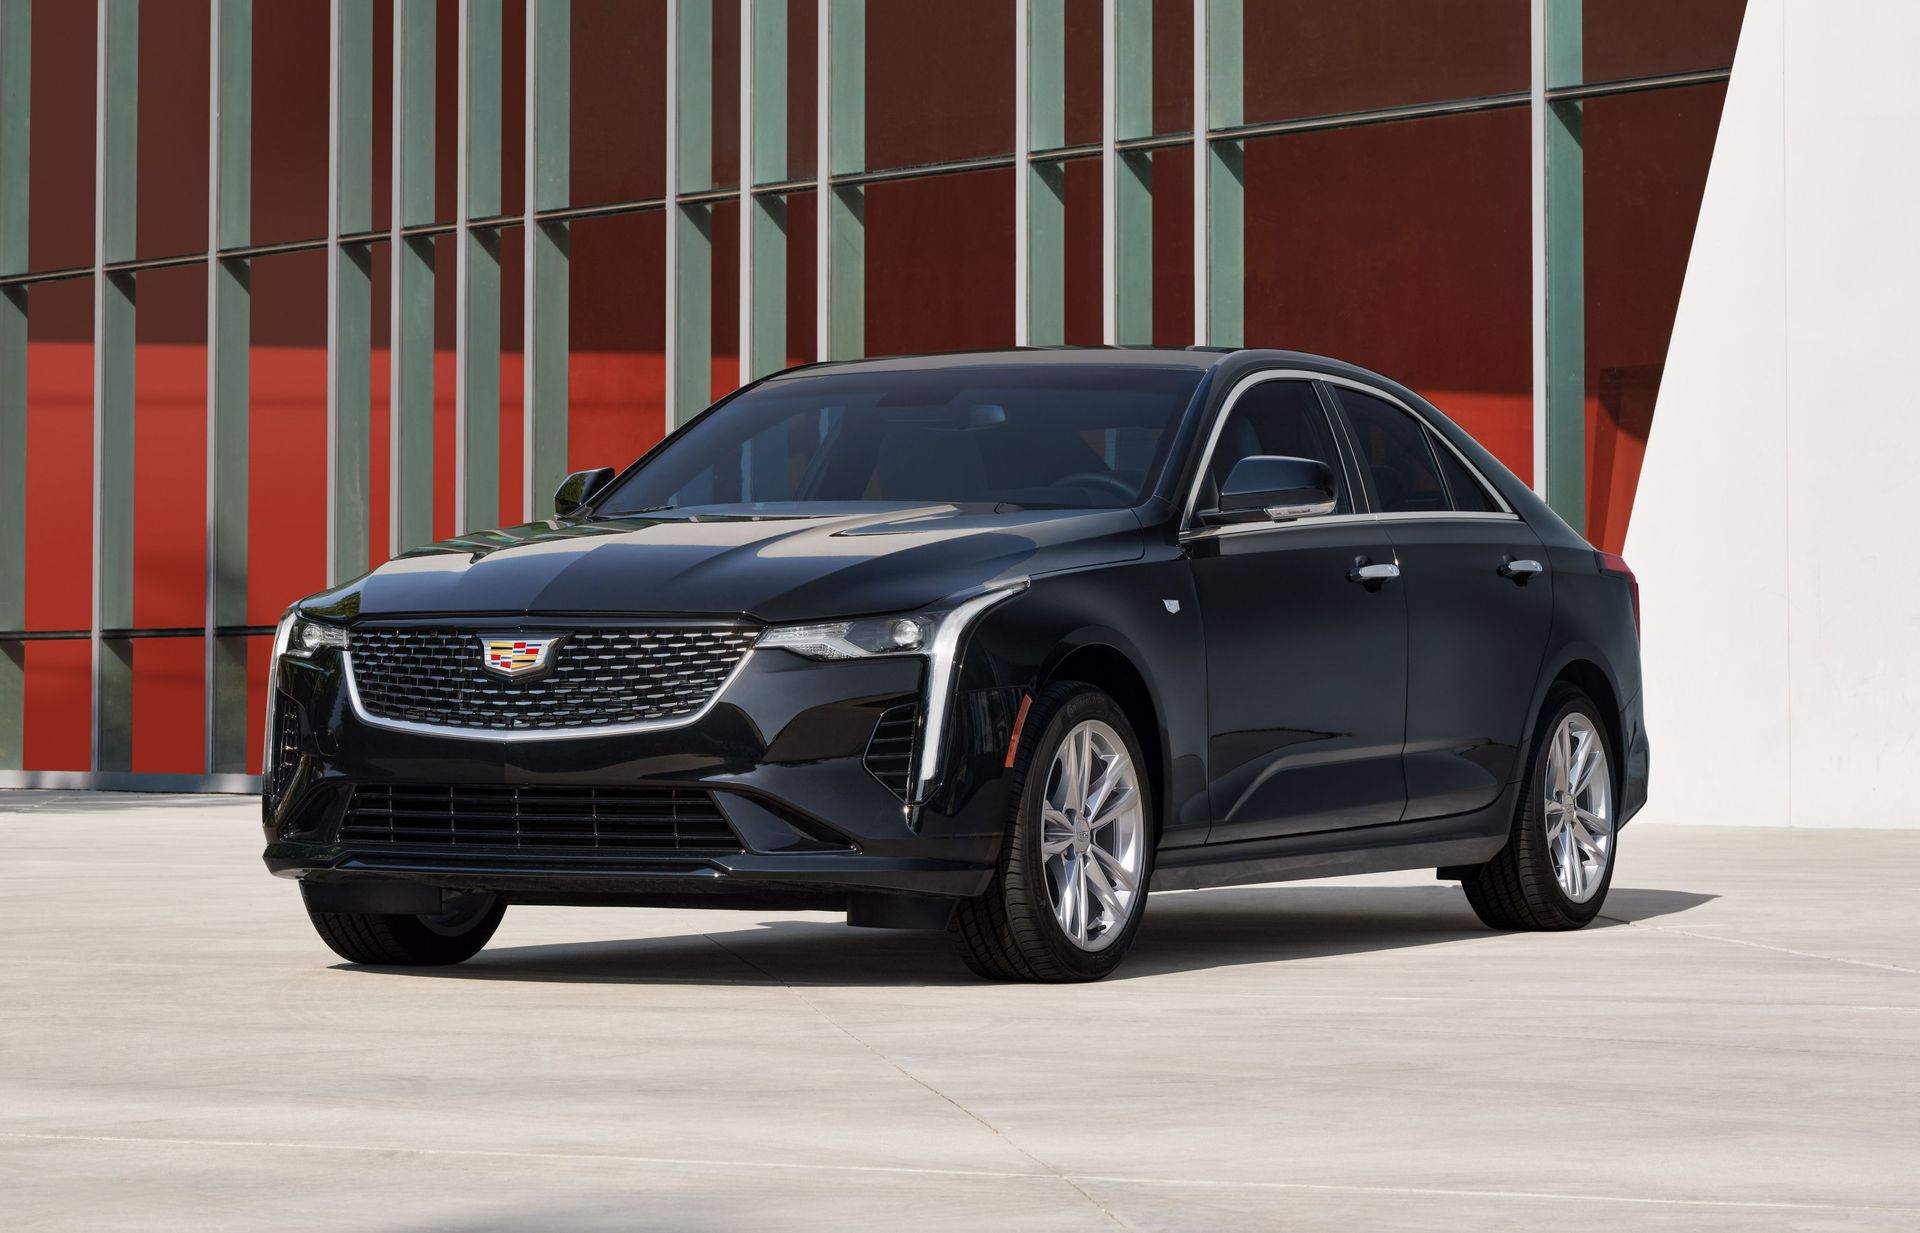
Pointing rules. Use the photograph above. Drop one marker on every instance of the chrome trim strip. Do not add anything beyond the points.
(1447, 515)
(1248, 528)
(534, 734)
(942, 672)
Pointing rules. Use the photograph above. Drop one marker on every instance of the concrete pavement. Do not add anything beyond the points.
(1736, 1046)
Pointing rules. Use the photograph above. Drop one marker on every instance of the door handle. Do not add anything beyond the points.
(1373, 575)
(1521, 570)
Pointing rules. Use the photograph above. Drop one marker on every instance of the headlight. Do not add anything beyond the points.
(935, 634)
(303, 638)
(894, 635)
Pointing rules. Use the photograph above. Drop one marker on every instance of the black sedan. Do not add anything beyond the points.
(993, 643)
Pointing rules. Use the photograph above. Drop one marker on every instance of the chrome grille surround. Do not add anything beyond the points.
(605, 679)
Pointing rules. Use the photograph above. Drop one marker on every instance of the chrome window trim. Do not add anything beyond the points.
(1435, 433)
(1187, 528)
(1447, 515)
(534, 734)
(1249, 528)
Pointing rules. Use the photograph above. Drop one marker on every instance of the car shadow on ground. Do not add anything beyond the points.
(1183, 932)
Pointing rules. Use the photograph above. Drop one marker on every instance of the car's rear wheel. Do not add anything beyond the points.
(412, 941)
(1557, 866)
(1071, 884)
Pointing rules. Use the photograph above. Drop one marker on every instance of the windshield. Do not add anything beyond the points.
(1079, 436)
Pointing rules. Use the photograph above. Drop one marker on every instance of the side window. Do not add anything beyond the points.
(1276, 417)
(1394, 450)
(1469, 494)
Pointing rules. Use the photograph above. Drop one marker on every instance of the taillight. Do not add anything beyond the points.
(1614, 563)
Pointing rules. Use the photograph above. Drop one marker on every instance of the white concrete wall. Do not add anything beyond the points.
(1780, 497)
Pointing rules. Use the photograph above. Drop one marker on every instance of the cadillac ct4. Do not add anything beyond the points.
(992, 643)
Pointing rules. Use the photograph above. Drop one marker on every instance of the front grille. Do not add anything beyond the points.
(549, 817)
(599, 678)
(889, 755)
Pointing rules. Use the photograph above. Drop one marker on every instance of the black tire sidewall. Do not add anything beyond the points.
(1083, 704)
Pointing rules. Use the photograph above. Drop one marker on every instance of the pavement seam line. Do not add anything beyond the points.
(1779, 950)
(929, 1171)
(988, 1126)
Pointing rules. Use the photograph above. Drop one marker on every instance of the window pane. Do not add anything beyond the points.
(1468, 494)
(1640, 38)
(1314, 58)
(1646, 169)
(1394, 450)
(289, 121)
(170, 456)
(619, 101)
(57, 707)
(1409, 256)
(172, 163)
(939, 80)
(616, 377)
(169, 699)
(1282, 418)
(59, 530)
(940, 263)
(60, 145)
(287, 433)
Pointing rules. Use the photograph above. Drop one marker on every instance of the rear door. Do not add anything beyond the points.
(1306, 669)
(1479, 597)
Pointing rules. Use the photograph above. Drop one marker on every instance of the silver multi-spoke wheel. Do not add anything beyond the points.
(1579, 807)
(1093, 835)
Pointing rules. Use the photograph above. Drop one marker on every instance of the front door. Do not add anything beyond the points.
(1306, 667)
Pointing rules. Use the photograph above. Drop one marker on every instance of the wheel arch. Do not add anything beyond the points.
(1113, 671)
(1584, 672)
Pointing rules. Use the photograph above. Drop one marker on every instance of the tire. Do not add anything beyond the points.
(1524, 887)
(408, 941)
(1015, 930)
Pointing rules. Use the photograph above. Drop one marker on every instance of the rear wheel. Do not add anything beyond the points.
(406, 940)
(1067, 897)
(1556, 868)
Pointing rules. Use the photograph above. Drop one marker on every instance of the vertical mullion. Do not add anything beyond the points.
(841, 226)
(229, 306)
(116, 146)
(476, 395)
(349, 288)
(1560, 265)
(544, 321)
(1219, 203)
(763, 159)
(1039, 188)
(410, 286)
(1127, 176)
(689, 341)
(16, 76)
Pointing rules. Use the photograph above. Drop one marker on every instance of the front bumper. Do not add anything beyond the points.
(782, 751)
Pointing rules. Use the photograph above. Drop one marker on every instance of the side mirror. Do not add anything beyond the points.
(576, 488)
(1276, 487)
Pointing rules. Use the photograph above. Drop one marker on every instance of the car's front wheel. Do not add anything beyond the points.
(1557, 866)
(412, 941)
(1071, 883)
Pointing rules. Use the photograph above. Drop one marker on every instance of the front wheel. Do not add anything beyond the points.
(1071, 883)
(412, 941)
(1556, 868)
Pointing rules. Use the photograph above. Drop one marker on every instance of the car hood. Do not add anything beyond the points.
(774, 567)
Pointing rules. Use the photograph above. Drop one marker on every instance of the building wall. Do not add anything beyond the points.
(1388, 178)
(1782, 637)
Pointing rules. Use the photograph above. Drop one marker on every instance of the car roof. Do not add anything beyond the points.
(1198, 359)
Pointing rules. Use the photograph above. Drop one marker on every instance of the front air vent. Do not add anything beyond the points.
(627, 820)
(889, 756)
(285, 755)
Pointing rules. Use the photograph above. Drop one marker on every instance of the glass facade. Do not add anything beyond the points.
(288, 287)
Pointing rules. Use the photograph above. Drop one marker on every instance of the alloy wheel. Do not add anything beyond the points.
(1093, 835)
(1579, 807)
